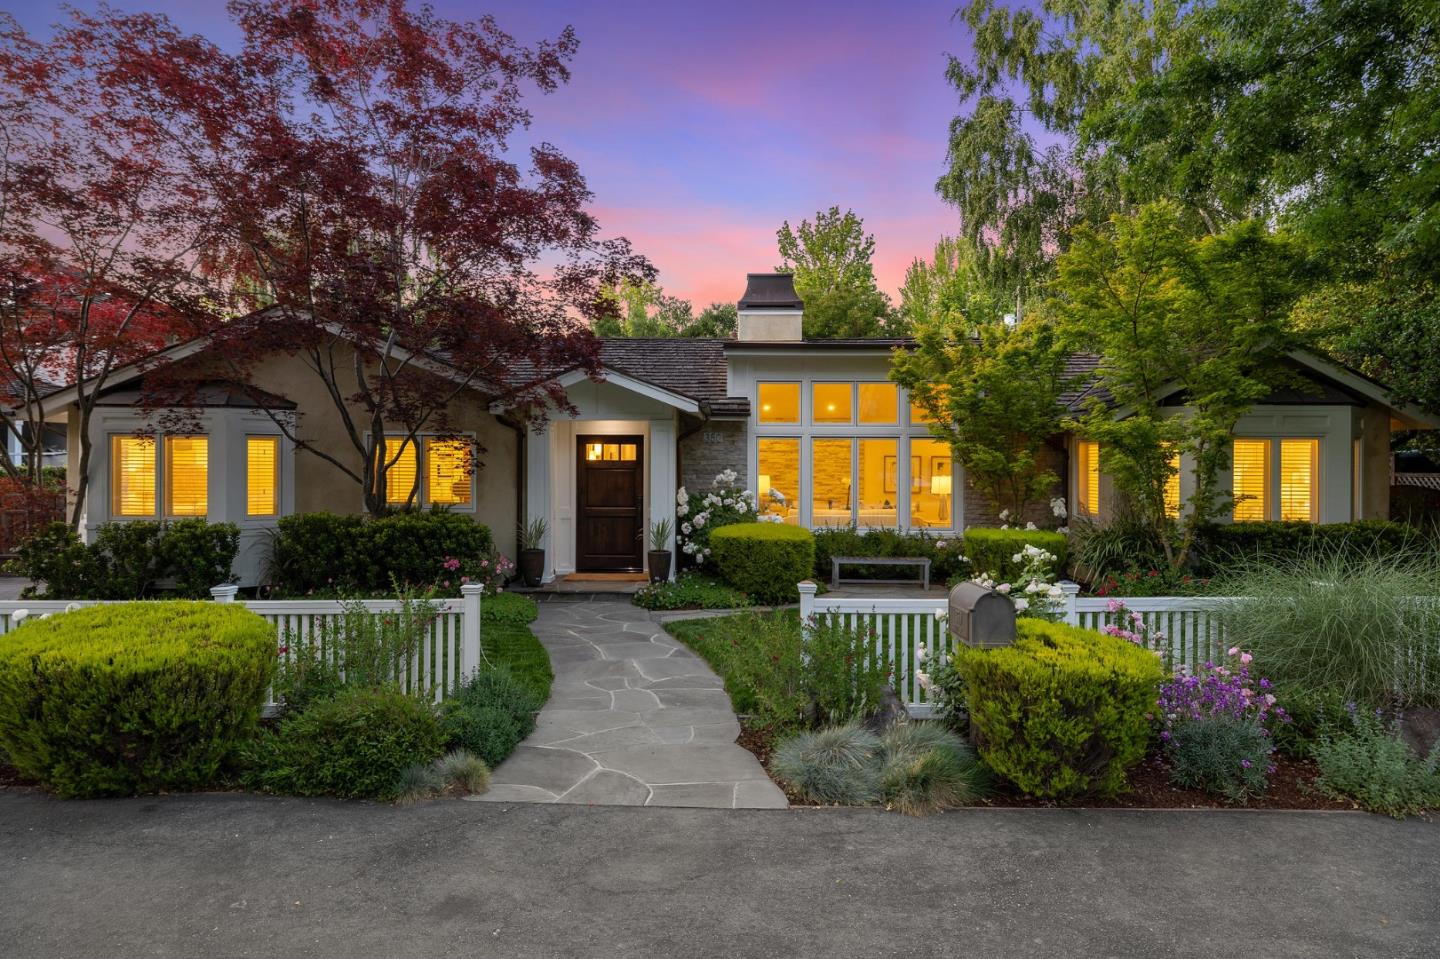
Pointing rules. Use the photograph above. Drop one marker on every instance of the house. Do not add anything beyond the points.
(815, 427)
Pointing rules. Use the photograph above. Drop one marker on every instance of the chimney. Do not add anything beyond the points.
(770, 310)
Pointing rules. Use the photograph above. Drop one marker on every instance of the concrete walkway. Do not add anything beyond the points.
(634, 719)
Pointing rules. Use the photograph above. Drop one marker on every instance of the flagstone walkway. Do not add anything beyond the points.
(634, 719)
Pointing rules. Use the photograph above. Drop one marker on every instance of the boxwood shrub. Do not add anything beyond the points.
(993, 551)
(132, 698)
(326, 552)
(129, 560)
(765, 560)
(354, 745)
(1061, 712)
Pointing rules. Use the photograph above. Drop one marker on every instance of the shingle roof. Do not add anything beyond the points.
(690, 367)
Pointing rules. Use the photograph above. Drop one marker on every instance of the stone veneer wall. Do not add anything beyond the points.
(718, 445)
(980, 512)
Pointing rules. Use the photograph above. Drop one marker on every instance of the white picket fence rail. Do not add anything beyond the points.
(900, 626)
(450, 649)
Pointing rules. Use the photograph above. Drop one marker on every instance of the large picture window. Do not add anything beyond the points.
(880, 479)
(778, 483)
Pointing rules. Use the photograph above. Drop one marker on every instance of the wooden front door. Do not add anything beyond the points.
(610, 494)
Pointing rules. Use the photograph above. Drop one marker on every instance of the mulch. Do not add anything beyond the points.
(1292, 786)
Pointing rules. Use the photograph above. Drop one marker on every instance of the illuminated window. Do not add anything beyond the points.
(262, 475)
(778, 468)
(1087, 477)
(132, 476)
(879, 403)
(1299, 469)
(879, 483)
(1172, 488)
(187, 475)
(1250, 480)
(932, 484)
(612, 452)
(831, 403)
(830, 483)
(918, 414)
(779, 402)
(448, 471)
(400, 470)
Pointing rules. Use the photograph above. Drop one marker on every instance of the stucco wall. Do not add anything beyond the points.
(1374, 436)
(321, 486)
(716, 446)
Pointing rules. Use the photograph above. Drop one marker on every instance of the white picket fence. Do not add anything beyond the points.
(450, 650)
(901, 626)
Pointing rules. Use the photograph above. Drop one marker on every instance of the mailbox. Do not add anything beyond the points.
(981, 617)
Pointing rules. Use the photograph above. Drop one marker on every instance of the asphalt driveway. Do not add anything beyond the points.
(241, 876)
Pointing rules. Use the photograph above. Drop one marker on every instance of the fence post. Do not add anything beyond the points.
(470, 594)
(1071, 591)
(807, 612)
(224, 593)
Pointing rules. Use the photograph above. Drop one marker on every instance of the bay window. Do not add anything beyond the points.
(187, 475)
(262, 475)
(146, 472)
(133, 483)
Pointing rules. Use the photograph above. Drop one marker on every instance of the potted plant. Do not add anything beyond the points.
(659, 554)
(532, 554)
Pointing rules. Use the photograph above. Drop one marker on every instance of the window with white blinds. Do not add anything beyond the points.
(132, 476)
(262, 475)
(187, 475)
(1250, 479)
(1172, 488)
(1299, 468)
(1087, 477)
(448, 471)
(401, 471)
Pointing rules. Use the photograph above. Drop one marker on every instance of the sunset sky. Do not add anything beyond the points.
(701, 127)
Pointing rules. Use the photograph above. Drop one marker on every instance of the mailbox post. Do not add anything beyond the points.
(981, 617)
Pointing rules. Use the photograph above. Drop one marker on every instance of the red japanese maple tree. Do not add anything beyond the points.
(102, 228)
(373, 213)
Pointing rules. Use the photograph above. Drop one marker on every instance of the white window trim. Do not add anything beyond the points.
(904, 431)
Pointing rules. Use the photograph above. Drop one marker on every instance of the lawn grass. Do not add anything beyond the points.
(717, 640)
(508, 641)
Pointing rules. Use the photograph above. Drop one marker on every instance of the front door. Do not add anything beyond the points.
(610, 493)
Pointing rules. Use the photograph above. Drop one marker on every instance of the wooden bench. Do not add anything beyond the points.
(837, 561)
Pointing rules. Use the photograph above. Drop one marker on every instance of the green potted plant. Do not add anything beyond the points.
(659, 554)
(532, 553)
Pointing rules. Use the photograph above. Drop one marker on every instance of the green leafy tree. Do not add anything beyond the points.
(644, 310)
(950, 286)
(1196, 322)
(717, 322)
(993, 394)
(831, 260)
(1322, 116)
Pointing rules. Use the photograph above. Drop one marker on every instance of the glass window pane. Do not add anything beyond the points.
(448, 472)
(779, 402)
(778, 486)
(879, 403)
(592, 451)
(832, 403)
(401, 473)
(132, 476)
(612, 452)
(627, 452)
(918, 413)
(932, 484)
(1250, 479)
(879, 483)
(1299, 471)
(187, 475)
(830, 483)
(1087, 477)
(1172, 489)
(262, 475)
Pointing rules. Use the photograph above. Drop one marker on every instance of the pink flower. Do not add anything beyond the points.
(1246, 657)
(1233, 651)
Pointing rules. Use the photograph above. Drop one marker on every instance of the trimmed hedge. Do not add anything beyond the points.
(128, 559)
(1221, 545)
(326, 552)
(945, 552)
(355, 745)
(993, 551)
(1062, 712)
(766, 560)
(132, 698)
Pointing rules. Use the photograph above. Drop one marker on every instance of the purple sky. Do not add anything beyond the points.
(701, 127)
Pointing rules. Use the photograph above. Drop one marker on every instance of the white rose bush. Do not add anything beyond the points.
(700, 514)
